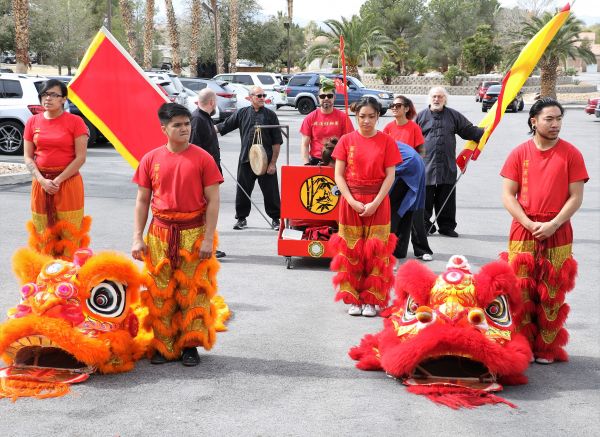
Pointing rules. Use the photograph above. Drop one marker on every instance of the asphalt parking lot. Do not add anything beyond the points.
(282, 368)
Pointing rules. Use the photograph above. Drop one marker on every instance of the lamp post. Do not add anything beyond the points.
(109, 15)
(287, 25)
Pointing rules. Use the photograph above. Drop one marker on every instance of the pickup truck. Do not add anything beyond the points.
(303, 88)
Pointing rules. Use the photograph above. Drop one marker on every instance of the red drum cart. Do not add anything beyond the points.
(309, 199)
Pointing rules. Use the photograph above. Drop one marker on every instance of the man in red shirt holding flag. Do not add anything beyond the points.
(542, 189)
(322, 124)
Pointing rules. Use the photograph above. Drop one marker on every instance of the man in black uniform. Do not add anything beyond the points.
(440, 124)
(246, 119)
(203, 131)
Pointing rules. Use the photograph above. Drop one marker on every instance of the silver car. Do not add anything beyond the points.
(226, 96)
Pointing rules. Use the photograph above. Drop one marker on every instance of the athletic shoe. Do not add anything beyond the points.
(426, 257)
(240, 224)
(190, 357)
(220, 254)
(355, 310)
(275, 224)
(449, 233)
(544, 360)
(369, 311)
(157, 358)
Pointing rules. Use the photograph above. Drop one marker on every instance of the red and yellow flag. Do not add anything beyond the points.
(113, 92)
(343, 59)
(512, 83)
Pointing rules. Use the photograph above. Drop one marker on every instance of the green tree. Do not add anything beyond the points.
(361, 39)
(479, 52)
(264, 43)
(566, 44)
(399, 54)
(397, 18)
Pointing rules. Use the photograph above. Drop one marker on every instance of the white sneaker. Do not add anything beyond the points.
(544, 360)
(427, 257)
(369, 311)
(355, 310)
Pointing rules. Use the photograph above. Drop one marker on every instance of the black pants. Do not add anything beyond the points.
(408, 227)
(268, 185)
(436, 194)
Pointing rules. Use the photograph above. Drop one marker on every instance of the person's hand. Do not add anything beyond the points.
(139, 250)
(206, 249)
(533, 226)
(369, 210)
(357, 206)
(272, 168)
(545, 230)
(49, 186)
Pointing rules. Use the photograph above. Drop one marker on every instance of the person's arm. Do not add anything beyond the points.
(465, 129)
(510, 189)
(48, 185)
(197, 131)
(272, 167)
(231, 123)
(304, 147)
(570, 207)
(340, 180)
(421, 150)
(75, 165)
(211, 193)
(142, 205)
(371, 207)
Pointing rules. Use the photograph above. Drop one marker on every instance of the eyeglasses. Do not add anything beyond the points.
(51, 95)
(397, 105)
(260, 96)
(326, 96)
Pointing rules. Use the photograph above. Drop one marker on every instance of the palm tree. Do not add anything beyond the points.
(173, 37)
(148, 34)
(195, 42)
(219, 47)
(21, 15)
(566, 44)
(361, 40)
(233, 35)
(127, 15)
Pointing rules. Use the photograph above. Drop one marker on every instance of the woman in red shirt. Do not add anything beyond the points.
(403, 128)
(364, 171)
(55, 149)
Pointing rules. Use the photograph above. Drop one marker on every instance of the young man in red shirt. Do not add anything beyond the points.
(322, 124)
(542, 189)
(180, 183)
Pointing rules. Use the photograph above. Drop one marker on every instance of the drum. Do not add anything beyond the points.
(258, 159)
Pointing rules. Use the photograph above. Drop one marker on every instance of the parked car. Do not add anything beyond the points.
(226, 97)
(267, 81)
(171, 83)
(597, 110)
(591, 105)
(18, 102)
(482, 87)
(303, 88)
(243, 97)
(95, 134)
(491, 95)
(8, 57)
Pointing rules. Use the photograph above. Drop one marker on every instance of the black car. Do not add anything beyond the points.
(491, 95)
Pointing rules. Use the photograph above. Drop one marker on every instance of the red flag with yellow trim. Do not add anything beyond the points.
(344, 77)
(512, 83)
(113, 92)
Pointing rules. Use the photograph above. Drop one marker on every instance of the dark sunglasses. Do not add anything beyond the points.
(397, 105)
(260, 96)
(323, 96)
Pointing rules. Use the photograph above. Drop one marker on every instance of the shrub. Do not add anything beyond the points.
(454, 76)
(387, 72)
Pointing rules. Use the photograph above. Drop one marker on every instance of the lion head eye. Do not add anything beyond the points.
(498, 311)
(107, 299)
(411, 310)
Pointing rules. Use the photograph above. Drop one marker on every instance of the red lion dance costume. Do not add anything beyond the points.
(452, 338)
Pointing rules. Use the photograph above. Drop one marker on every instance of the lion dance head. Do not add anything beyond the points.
(74, 318)
(453, 338)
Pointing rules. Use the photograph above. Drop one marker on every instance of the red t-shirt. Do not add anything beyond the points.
(544, 176)
(410, 133)
(177, 180)
(319, 127)
(367, 158)
(54, 139)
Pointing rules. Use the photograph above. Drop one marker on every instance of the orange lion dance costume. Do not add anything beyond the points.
(453, 338)
(74, 318)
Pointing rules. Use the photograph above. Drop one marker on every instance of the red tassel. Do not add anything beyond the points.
(458, 397)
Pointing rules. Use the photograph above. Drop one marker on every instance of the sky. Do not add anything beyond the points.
(306, 10)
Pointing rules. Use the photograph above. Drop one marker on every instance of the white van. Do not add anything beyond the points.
(267, 81)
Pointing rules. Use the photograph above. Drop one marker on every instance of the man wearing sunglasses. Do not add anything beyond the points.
(245, 119)
(323, 123)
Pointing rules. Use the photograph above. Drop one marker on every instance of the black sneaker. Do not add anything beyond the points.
(449, 233)
(430, 231)
(190, 357)
(157, 358)
(240, 224)
(219, 254)
(275, 224)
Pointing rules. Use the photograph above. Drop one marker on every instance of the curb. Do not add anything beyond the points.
(15, 178)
